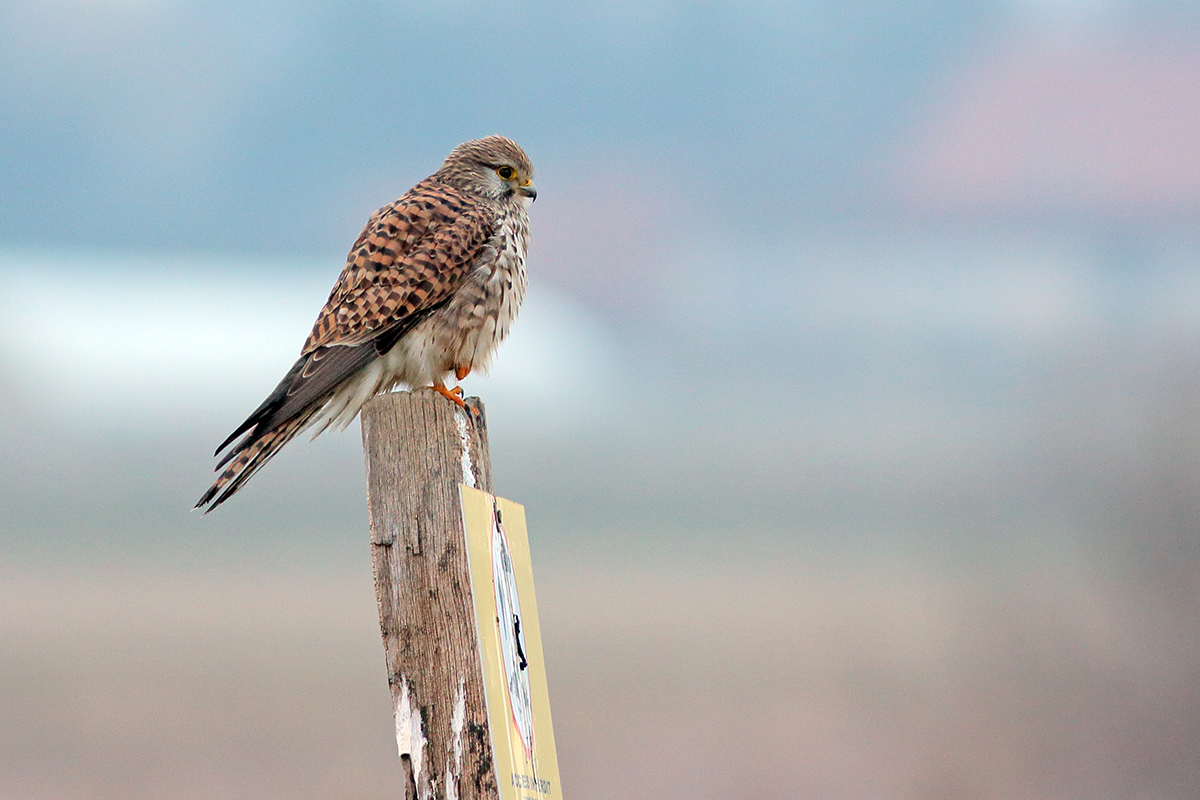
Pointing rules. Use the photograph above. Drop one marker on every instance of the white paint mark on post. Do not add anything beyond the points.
(366, 433)
(458, 721)
(410, 736)
(464, 438)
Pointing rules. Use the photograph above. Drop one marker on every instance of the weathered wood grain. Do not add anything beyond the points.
(418, 448)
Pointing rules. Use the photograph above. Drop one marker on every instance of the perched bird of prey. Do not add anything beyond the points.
(429, 289)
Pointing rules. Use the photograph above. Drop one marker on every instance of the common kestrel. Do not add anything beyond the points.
(429, 289)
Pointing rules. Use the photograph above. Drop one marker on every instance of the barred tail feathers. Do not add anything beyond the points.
(249, 456)
(316, 378)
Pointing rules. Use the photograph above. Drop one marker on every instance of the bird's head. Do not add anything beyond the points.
(493, 166)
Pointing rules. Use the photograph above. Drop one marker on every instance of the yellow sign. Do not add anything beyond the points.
(510, 643)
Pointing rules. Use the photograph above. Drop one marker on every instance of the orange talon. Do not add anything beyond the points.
(453, 395)
(462, 372)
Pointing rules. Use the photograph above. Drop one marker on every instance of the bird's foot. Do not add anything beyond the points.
(453, 395)
(461, 372)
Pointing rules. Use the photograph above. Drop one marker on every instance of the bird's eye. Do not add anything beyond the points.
(506, 173)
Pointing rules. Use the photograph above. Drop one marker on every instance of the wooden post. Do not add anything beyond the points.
(419, 448)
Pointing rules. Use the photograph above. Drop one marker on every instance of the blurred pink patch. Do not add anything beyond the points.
(1098, 128)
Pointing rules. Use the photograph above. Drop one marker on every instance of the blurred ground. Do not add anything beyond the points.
(747, 677)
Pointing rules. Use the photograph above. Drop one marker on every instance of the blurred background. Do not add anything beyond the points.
(855, 405)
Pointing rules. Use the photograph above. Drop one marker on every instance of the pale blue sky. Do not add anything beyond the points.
(169, 125)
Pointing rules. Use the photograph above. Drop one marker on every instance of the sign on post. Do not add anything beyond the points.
(510, 646)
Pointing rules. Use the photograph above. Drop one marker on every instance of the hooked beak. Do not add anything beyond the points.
(527, 189)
